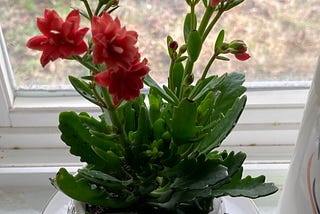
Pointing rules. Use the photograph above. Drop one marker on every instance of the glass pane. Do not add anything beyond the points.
(282, 37)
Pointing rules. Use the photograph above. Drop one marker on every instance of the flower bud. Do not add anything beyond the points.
(189, 79)
(173, 45)
(183, 49)
(237, 47)
(214, 3)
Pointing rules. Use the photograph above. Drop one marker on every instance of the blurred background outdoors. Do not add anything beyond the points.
(282, 36)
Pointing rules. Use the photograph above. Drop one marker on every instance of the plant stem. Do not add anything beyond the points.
(111, 110)
(205, 72)
(86, 4)
(211, 25)
(205, 20)
(85, 64)
(187, 71)
(107, 6)
(170, 81)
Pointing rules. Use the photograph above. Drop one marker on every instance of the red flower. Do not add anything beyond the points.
(113, 44)
(242, 56)
(239, 49)
(123, 84)
(214, 3)
(60, 39)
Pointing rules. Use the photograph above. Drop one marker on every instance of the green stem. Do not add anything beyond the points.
(187, 71)
(193, 25)
(101, 101)
(115, 118)
(170, 82)
(205, 72)
(186, 153)
(205, 19)
(211, 25)
(107, 6)
(86, 4)
(86, 64)
(96, 12)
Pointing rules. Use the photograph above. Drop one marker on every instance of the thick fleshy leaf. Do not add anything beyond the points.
(153, 84)
(83, 89)
(219, 41)
(233, 4)
(184, 122)
(222, 128)
(190, 24)
(82, 190)
(78, 137)
(103, 179)
(231, 88)
(194, 45)
(247, 187)
(177, 76)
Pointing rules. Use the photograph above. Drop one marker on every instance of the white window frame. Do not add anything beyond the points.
(271, 118)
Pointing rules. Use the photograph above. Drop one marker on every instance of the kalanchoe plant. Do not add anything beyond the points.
(159, 157)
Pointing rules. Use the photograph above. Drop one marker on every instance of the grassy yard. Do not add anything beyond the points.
(283, 37)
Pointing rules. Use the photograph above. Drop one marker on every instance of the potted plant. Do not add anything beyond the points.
(154, 152)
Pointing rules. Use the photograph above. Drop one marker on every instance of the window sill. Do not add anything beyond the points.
(25, 173)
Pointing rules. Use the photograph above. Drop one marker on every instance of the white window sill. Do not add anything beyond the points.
(25, 173)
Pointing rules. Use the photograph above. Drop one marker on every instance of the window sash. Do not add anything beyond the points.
(271, 117)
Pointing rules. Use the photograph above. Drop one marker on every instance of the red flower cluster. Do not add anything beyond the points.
(115, 46)
(123, 84)
(60, 39)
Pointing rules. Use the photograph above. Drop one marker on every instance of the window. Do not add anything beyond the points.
(283, 41)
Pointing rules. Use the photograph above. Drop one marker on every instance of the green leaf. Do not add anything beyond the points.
(205, 173)
(181, 59)
(222, 128)
(103, 179)
(169, 40)
(78, 137)
(154, 85)
(171, 94)
(234, 162)
(194, 45)
(177, 77)
(81, 190)
(219, 42)
(87, 78)
(233, 4)
(231, 88)
(159, 127)
(247, 187)
(155, 104)
(129, 118)
(205, 3)
(114, 165)
(144, 127)
(184, 122)
(222, 58)
(105, 141)
(203, 87)
(189, 25)
(83, 89)
(205, 108)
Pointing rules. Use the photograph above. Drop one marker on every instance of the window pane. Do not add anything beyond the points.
(282, 37)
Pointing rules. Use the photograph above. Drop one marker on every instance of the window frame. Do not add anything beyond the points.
(271, 117)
